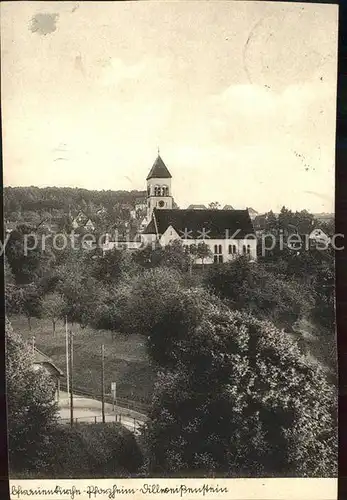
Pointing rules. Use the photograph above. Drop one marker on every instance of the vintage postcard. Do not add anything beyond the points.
(169, 249)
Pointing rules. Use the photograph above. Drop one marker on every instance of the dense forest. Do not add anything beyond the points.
(56, 201)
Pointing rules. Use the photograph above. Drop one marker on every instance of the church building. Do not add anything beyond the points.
(228, 233)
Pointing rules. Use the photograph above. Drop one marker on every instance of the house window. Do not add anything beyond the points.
(248, 249)
(244, 249)
(216, 249)
(220, 249)
(234, 249)
(220, 259)
(215, 258)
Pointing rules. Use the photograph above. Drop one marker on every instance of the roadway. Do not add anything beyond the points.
(87, 410)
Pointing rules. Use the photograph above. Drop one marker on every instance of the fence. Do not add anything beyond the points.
(131, 423)
(122, 402)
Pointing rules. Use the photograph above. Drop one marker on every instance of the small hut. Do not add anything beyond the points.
(42, 361)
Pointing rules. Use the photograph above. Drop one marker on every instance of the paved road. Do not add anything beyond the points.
(86, 409)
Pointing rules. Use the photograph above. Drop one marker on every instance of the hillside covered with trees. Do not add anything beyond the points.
(241, 356)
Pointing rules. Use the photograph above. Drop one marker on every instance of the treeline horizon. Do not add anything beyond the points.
(35, 198)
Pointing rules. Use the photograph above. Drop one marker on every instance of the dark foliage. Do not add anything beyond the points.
(94, 450)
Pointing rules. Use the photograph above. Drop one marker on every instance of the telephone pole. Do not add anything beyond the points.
(67, 357)
(71, 378)
(103, 383)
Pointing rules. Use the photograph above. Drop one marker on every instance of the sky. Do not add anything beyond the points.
(240, 97)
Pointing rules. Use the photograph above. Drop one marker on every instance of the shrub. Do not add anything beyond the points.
(241, 401)
(251, 287)
(145, 298)
(95, 450)
(32, 412)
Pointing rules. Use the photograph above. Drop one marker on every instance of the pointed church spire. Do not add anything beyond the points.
(159, 170)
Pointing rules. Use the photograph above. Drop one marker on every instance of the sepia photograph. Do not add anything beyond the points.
(169, 243)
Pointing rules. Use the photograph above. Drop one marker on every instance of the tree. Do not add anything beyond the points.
(53, 306)
(107, 268)
(241, 401)
(172, 256)
(31, 302)
(32, 412)
(9, 279)
(175, 256)
(14, 298)
(203, 252)
(144, 298)
(65, 224)
(214, 205)
(251, 287)
(148, 257)
(179, 317)
(271, 222)
(324, 289)
(24, 267)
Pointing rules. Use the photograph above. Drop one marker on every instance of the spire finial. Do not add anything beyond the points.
(158, 151)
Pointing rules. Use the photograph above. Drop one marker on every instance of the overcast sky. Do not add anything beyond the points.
(240, 97)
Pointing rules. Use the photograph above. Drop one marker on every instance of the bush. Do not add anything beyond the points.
(94, 450)
(251, 287)
(32, 412)
(145, 298)
(241, 401)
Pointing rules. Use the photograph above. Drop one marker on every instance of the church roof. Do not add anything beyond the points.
(216, 224)
(159, 170)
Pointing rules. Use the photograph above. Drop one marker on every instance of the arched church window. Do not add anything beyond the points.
(220, 248)
(244, 249)
(156, 190)
(234, 248)
(248, 249)
(149, 190)
(216, 249)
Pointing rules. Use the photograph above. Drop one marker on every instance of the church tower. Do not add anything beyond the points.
(158, 187)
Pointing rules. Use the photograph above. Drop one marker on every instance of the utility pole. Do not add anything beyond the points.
(67, 357)
(103, 383)
(71, 379)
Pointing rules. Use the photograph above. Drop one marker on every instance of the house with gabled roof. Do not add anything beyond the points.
(43, 362)
(252, 213)
(197, 207)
